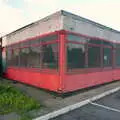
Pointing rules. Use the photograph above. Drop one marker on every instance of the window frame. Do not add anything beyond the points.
(75, 69)
(102, 46)
(97, 46)
(56, 41)
(115, 48)
(111, 66)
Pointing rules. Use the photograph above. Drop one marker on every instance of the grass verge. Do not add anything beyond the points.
(13, 100)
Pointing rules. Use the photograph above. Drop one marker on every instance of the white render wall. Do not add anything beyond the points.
(62, 20)
(80, 25)
(49, 24)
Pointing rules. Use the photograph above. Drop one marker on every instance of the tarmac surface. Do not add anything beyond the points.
(107, 108)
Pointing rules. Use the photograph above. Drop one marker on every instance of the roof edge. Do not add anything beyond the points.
(63, 12)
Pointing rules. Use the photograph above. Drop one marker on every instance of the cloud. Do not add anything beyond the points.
(102, 11)
(10, 18)
(40, 8)
(13, 16)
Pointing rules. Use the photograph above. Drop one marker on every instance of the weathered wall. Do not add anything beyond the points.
(46, 25)
(80, 25)
(62, 20)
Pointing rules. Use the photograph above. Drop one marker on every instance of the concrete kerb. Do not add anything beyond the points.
(75, 106)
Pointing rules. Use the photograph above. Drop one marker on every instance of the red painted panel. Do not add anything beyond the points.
(77, 81)
(116, 74)
(65, 82)
(62, 60)
(48, 81)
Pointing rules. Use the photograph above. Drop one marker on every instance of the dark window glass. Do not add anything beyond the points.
(44, 39)
(25, 54)
(107, 56)
(117, 45)
(34, 57)
(14, 46)
(49, 38)
(49, 56)
(9, 56)
(15, 57)
(118, 57)
(75, 56)
(76, 38)
(107, 43)
(24, 57)
(25, 43)
(95, 41)
(34, 42)
(93, 56)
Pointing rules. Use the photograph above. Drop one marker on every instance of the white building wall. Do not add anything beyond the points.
(49, 24)
(77, 24)
(62, 20)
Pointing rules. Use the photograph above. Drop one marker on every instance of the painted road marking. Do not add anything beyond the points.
(75, 106)
(105, 107)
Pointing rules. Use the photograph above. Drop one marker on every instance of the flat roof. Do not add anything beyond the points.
(65, 13)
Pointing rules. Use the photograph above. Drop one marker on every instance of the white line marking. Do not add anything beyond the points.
(62, 111)
(75, 106)
(105, 107)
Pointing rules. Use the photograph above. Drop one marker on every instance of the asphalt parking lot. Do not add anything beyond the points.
(107, 108)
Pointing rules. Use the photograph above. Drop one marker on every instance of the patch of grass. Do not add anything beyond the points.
(13, 100)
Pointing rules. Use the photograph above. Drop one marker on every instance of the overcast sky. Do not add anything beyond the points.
(17, 13)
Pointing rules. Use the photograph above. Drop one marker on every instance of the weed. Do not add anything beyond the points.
(13, 100)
